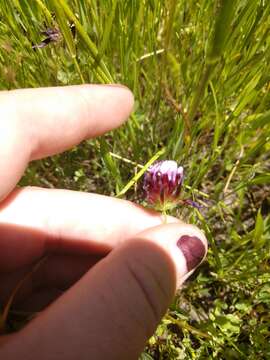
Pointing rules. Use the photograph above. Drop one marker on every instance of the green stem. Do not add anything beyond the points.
(165, 216)
(199, 92)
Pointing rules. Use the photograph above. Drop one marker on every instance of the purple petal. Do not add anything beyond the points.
(193, 203)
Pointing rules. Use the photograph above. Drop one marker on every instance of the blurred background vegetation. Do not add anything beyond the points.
(200, 74)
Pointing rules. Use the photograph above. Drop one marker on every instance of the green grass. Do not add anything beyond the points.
(200, 74)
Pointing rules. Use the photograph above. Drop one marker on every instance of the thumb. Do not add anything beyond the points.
(112, 311)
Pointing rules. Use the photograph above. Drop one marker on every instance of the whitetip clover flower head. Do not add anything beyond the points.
(163, 183)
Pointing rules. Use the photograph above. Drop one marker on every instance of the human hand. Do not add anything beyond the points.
(112, 268)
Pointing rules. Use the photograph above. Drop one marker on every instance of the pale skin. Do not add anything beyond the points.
(112, 267)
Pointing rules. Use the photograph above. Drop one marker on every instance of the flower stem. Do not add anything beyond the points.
(164, 215)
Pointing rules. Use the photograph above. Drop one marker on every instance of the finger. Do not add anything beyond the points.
(115, 307)
(36, 123)
(57, 271)
(36, 221)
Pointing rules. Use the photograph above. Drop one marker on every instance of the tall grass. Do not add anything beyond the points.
(200, 75)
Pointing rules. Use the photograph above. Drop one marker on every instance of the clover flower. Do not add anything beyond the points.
(163, 184)
(53, 35)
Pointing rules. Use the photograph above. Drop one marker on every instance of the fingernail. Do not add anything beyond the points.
(193, 249)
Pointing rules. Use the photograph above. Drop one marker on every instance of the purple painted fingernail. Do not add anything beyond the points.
(193, 250)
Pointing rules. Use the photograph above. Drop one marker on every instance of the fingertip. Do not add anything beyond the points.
(114, 104)
(126, 100)
(184, 243)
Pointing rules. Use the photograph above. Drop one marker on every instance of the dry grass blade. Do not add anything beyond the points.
(10, 301)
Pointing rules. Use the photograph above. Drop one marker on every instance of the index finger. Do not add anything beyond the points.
(36, 123)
